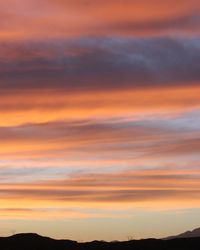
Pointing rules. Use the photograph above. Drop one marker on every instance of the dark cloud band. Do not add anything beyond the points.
(100, 63)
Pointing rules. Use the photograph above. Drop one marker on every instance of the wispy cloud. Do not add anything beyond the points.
(99, 110)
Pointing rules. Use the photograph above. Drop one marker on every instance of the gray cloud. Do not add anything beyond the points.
(100, 63)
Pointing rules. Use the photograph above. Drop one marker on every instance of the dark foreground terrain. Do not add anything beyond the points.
(37, 242)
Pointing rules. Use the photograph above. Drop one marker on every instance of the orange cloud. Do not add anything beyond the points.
(22, 19)
(99, 107)
(18, 108)
(129, 187)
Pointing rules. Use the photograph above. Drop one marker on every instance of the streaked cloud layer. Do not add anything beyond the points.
(99, 115)
(50, 18)
(101, 62)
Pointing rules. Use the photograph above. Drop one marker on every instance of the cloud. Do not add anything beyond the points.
(135, 186)
(187, 23)
(103, 138)
(99, 108)
(103, 63)
(33, 19)
(52, 150)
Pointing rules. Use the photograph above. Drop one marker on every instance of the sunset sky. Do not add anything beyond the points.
(99, 118)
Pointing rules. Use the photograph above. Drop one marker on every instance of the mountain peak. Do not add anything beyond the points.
(188, 234)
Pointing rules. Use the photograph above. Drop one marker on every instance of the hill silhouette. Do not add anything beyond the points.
(31, 241)
(188, 234)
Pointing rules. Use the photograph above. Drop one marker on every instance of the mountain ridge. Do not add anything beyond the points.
(187, 234)
(33, 241)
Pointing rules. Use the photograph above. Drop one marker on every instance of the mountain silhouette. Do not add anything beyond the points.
(33, 241)
(188, 234)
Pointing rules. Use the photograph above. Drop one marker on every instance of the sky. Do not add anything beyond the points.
(99, 118)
